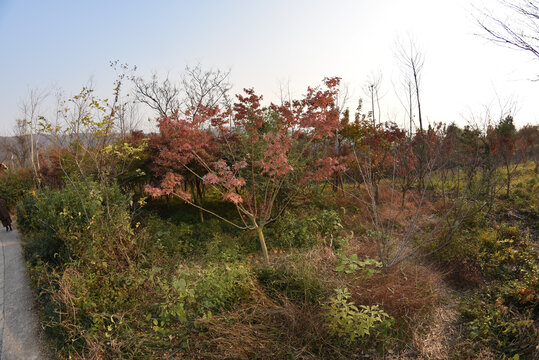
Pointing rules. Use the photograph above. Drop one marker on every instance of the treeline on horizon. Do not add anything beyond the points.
(202, 99)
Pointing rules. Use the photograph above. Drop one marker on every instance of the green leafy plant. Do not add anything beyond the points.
(500, 327)
(350, 265)
(176, 295)
(295, 230)
(220, 287)
(175, 238)
(349, 322)
(329, 226)
(54, 221)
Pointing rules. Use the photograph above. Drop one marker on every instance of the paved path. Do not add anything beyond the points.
(19, 329)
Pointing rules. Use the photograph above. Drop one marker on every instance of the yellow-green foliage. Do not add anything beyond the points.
(500, 315)
(524, 193)
(55, 222)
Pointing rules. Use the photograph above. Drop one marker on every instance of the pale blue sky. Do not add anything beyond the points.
(55, 43)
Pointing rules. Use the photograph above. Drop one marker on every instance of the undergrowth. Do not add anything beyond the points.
(159, 283)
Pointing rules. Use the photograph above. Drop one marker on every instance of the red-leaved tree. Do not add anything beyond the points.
(259, 159)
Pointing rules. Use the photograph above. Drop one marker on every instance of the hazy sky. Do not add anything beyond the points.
(46, 44)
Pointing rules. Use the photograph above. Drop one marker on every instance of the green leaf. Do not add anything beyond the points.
(183, 284)
(179, 284)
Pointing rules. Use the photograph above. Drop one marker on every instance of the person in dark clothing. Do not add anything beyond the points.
(4, 215)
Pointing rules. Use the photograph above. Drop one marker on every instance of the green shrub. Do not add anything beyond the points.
(487, 252)
(289, 232)
(209, 239)
(350, 323)
(107, 300)
(505, 253)
(226, 247)
(174, 238)
(500, 315)
(498, 326)
(14, 185)
(350, 265)
(219, 287)
(53, 221)
(522, 294)
(295, 231)
(175, 296)
(464, 246)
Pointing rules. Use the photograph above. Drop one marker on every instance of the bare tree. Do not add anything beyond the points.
(372, 89)
(3, 155)
(16, 148)
(123, 110)
(196, 89)
(412, 61)
(397, 241)
(519, 28)
(405, 94)
(30, 109)
(341, 100)
(285, 94)
(128, 118)
(161, 96)
(205, 88)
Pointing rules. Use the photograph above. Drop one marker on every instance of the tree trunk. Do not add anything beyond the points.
(199, 196)
(201, 215)
(259, 231)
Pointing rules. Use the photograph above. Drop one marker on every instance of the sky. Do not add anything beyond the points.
(267, 45)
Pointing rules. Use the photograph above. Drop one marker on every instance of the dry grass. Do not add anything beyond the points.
(275, 329)
(434, 339)
(263, 330)
(403, 291)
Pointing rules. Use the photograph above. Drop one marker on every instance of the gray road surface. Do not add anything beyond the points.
(20, 335)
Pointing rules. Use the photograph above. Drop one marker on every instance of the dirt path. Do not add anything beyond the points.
(436, 341)
(19, 329)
